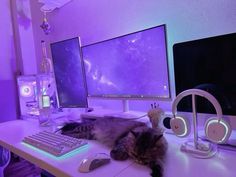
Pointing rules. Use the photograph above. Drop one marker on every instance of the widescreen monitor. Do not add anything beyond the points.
(69, 73)
(208, 64)
(132, 66)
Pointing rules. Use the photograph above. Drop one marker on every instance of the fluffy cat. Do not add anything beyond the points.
(126, 138)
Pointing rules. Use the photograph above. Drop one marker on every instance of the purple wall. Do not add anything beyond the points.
(23, 34)
(8, 99)
(93, 22)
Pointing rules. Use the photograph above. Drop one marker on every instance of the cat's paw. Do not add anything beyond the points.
(118, 155)
(157, 169)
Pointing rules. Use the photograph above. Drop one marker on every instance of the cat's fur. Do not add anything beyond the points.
(132, 139)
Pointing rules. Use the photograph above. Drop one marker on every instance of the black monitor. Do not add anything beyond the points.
(132, 66)
(208, 64)
(69, 73)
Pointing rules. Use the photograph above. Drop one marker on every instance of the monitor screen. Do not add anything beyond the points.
(208, 64)
(69, 73)
(129, 66)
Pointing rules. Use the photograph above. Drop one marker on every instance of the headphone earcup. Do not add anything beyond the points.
(217, 131)
(180, 126)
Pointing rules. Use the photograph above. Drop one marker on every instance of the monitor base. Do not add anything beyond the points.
(129, 115)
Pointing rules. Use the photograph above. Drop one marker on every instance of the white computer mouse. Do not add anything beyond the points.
(94, 161)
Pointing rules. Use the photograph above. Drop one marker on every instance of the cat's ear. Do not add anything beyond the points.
(135, 134)
(155, 140)
(158, 137)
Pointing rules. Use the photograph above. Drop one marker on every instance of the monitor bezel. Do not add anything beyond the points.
(59, 104)
(136, 97)
(181, 43)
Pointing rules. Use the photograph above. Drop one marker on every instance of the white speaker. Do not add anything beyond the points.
(164, 123)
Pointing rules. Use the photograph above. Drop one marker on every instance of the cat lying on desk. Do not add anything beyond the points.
(127, 138)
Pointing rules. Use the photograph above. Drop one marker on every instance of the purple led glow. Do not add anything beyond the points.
(26, 91)
(133, 65)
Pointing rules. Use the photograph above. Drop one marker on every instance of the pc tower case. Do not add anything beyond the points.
(27, 89)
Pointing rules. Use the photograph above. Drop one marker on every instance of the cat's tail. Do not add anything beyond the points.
(78, 130)
(157, 168)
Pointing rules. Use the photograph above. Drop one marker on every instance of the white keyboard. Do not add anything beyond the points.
(53, 143)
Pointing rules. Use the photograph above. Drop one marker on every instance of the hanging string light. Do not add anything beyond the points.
(49, 6)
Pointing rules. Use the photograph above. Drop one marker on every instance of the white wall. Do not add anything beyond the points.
(94, 21)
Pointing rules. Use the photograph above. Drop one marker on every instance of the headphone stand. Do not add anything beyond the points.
(196, 147)
(203, 150)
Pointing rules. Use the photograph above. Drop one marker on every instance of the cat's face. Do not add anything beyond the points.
(145, 146)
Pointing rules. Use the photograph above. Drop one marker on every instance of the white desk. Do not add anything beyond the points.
(178, 163)
(12, 133)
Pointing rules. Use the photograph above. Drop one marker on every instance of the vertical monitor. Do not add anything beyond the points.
(69, 73)
(129, 66)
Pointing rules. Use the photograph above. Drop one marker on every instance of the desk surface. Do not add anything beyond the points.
(178, 163)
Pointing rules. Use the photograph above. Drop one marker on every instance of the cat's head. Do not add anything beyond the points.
(146, 145)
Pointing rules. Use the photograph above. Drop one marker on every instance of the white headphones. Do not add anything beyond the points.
(216, 129)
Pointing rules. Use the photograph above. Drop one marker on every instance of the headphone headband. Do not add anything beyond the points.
(201, 93)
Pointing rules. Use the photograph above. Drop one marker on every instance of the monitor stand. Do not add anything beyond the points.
(126, 113)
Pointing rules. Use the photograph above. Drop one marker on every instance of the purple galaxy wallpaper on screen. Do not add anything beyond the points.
(69, 74)
(133, 65)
